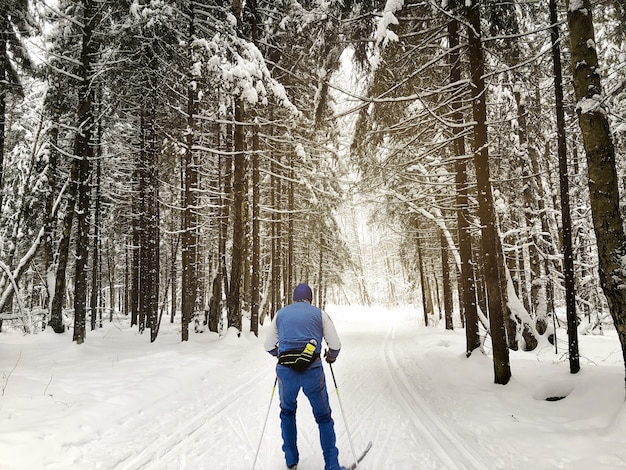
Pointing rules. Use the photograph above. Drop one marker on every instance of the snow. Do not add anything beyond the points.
(591, 105)
(119, 402)
(591, 44)
(383, 34)
(579, 5)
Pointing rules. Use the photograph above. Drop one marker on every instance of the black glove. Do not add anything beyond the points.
(331, 355)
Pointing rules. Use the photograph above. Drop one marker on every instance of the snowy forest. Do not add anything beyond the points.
(192, 161)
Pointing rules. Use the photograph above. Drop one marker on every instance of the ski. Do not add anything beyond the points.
(361, 457)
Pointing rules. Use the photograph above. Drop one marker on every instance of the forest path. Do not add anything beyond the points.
(214, 421)
(390, 399)
(120, 402)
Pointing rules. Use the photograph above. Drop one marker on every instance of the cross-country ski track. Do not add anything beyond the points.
(119, 402)
(215, 422)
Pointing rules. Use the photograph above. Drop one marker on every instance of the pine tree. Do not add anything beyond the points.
(490, 240)
(603, 182)
(468, 286)
(568, 250)
(83, 154)
(15, 27)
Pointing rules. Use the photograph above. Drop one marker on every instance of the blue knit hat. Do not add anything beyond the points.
(302, 292)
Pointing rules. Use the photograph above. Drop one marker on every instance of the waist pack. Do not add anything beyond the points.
(299, 359)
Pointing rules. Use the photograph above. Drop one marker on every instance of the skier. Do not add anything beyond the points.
(295, 337)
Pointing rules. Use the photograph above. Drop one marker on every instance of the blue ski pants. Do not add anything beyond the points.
(313, 384)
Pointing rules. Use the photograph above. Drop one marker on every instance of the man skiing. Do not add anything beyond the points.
(295, 337)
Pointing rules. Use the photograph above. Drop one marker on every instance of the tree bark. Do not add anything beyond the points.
(49, 222)
(239, 217)
(255, 281)
(173, 278)
(290, 258)
(447, 289)
(4, 26)
(96, 269)
(141, 224)
(256, 236)
(83, 152)
(490, 246)
(600, 152)
(224, 188)
(427, 302)
(82, 236)
(189, 239)
(58, 289)
(133, 288)
(568, 249)
(468, 285)
(275, 198)
(320, 271)
(149, 249)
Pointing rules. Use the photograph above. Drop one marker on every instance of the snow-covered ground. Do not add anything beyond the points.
(119, 402)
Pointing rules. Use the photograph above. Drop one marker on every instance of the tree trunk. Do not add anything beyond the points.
(239, 218)
(320, 272)
(189, 239)
(275, 198)
(173, 274)
(256, 235)
(227, 196)
(112, 273)
(495, 301)
(603, 182)
(83, 152)
(188, 245)
(150, 229)
(82, 234)
(127, 282)
(133, 297)
(96, 269)
(447, 288)
(289, 262)
(55, 291)
(390, 277)
(427, 303)
(220, 281)
(468, 286)
(49, 221)
(141, 225)
(4, 26)
(256, 200)
(568, 250)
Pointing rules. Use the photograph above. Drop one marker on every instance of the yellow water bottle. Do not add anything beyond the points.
(309, 350)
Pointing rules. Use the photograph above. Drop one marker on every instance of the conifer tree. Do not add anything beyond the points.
(600, 151)
(490, 242)
(15, 27)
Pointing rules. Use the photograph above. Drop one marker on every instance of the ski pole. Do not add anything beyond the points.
(265, 424)
(343, 414)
